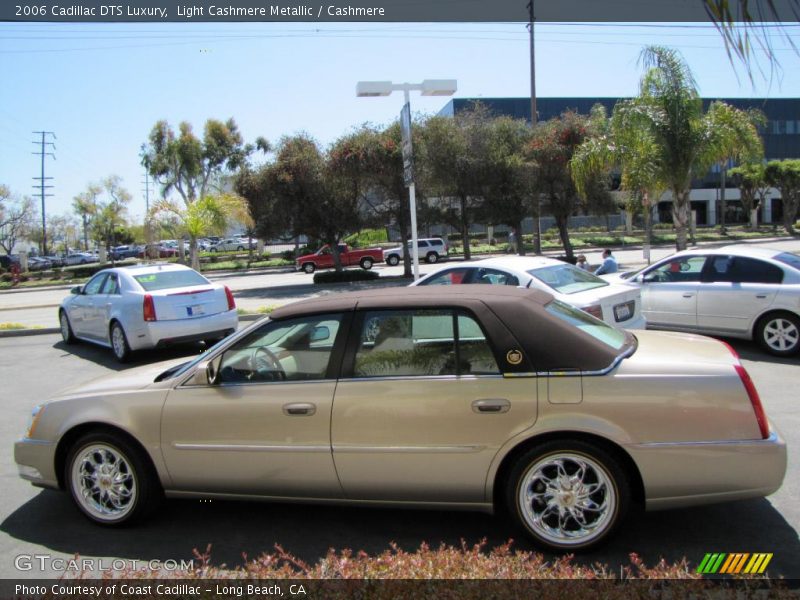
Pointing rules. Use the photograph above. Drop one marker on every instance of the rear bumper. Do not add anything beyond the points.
(156, 334)
(693, 473)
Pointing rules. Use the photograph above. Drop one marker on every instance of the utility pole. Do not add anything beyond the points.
(146, 184)
(537, 225)
(42, 187)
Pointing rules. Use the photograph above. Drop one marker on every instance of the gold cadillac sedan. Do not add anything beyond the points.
(493, 399)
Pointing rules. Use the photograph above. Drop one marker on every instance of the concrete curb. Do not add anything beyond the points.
(7, 333)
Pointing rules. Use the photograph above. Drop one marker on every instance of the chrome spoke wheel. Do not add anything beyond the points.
(567, 499)
(781, 335)
(104, 482)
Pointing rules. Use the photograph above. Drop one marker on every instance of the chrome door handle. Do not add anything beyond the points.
(491, 406)
(688, 295)
(299, 409)
(761, 296)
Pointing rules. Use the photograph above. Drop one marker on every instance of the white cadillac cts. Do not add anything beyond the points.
(147, 306)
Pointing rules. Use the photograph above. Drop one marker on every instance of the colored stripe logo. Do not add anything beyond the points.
(738, 563)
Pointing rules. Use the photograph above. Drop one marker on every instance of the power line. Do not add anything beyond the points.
(43, 187)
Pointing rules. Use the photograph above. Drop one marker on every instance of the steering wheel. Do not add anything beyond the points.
(265, 365)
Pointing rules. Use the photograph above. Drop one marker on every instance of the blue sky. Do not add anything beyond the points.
(101, 87)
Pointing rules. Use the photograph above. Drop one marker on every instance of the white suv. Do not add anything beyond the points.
(431, 250)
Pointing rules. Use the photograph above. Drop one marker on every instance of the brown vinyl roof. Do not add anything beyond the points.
(515, 320)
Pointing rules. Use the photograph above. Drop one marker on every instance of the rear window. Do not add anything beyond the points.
(595, 327)
(787, 258)
(567, 279)
(164, 280)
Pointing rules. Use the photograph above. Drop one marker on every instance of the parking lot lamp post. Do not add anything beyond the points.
(429, 87)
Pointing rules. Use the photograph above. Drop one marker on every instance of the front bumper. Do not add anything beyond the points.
(36, 462)
(694, 473)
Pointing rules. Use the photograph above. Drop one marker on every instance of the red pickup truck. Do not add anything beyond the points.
(323, 258)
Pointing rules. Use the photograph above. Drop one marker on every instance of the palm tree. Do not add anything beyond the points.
(686, 142)
(85, 206)
(630, 150)
(207, 215)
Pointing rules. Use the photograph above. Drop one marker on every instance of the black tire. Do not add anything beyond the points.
(210, 342)
(308, 268)
(66, 329)
(432, 257)
(240, 248)
(779, 333)
(119, 342)
(548, 521)
(393, 260)
(125, 493)
(212, 249)
(366, 263)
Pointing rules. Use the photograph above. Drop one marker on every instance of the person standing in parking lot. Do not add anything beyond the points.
(609, 264)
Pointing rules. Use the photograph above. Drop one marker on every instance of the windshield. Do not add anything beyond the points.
(163, 280)
(787, 258)
(567, 279)
(595, 327)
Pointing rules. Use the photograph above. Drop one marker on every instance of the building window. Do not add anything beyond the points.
(790, 127)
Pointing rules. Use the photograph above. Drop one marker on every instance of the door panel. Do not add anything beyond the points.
(422, 439)
(240, 438)
(669, 292)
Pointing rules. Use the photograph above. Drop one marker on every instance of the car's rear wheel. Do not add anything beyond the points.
(393, 260)
(66, 329)
(779, 333)
(366, 263)
(567, 495)
(432, 257)
(240, 248)
(110, 480)
(308, 267)
(119, 343)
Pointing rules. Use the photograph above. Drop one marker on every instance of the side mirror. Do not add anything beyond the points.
(207, 372)
(76, 290)
(649, 278)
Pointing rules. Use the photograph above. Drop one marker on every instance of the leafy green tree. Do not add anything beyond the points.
(454, 159)
(751, 180)
(85, 206)
(785, 176)
(687, 141)
(191, 166)
(509, 180)
(553, 145)
(16, 218)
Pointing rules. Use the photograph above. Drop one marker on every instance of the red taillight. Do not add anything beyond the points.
(229, 296)
(149, 308)
(595, 310)
(755, 400)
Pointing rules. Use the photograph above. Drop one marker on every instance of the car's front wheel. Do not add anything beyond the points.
(119, 343)
(110, 480)
(393, 260)
(66, 329)
(779, 333)
(308, 267)
(567, 495)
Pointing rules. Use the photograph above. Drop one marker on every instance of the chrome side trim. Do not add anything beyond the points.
(420, 377)
(773, 438)
(249, 448)
(601, 372)
(487, 507)
(408, 449)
